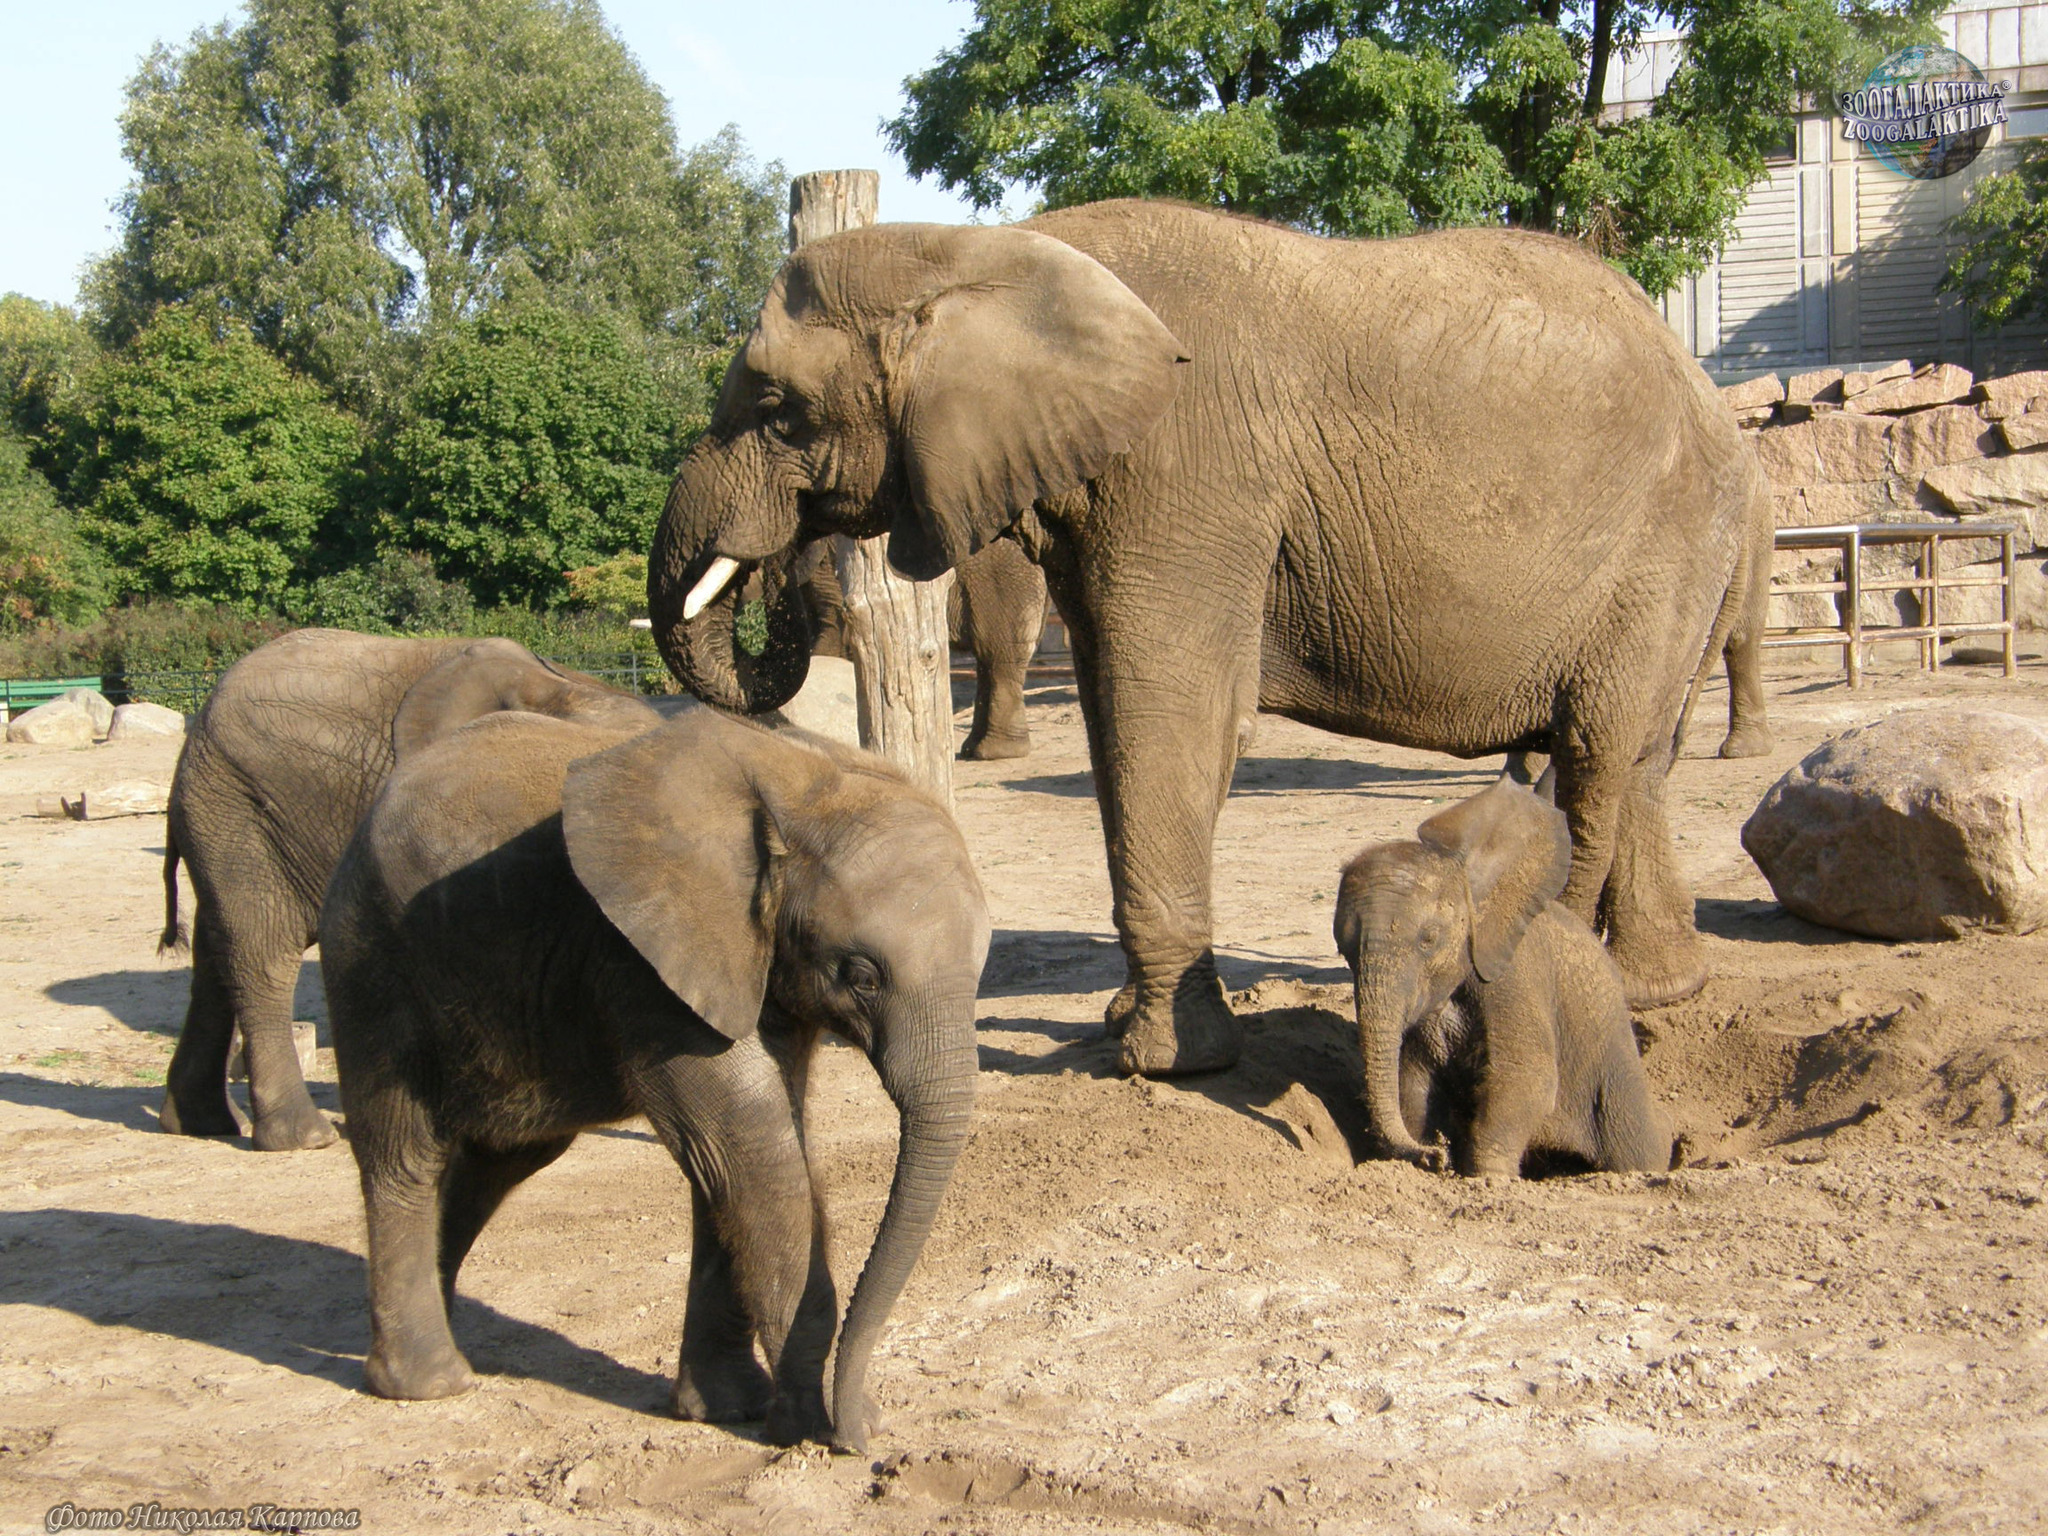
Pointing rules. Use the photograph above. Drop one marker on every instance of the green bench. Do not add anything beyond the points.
(19, 693)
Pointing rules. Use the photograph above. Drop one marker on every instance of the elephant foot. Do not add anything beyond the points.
(732, 1391)
(1193, 1032)
(796, 1417)
(296, 1127)
(1669, 972)
(200, 1115)
(993, 748)
(1116, 1018)
(1748, 741)
(443, 1373)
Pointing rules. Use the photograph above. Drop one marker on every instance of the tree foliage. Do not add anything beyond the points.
(44, 348)
(333, 174)
(46, 570)
(2002, 266)
(537, 439)
(202, 466)
(1386, 117)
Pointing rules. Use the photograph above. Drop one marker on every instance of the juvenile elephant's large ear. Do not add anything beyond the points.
(1021, 375)
(671, 835)
(1517, 852)
(494, 675)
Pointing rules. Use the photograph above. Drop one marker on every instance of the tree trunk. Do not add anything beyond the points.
(895, 630)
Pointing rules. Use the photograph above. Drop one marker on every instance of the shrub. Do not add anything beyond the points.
(396, 594)
(46, 571)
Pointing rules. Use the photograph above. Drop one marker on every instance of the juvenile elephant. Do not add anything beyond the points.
(541, 927)
(1462, 491)
(1486, 1010)
(276, 771)
(996, 609)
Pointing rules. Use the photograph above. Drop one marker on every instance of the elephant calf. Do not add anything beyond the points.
(1486, 1010)
(543, 926)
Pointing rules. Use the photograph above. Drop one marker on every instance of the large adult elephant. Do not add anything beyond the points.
(1462, 491)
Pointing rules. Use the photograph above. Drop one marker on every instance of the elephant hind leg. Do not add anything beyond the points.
(196, 1101)
(473, 1186)
(402, 1162)
(284, 1117)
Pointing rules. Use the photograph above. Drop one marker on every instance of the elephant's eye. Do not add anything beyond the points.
(781, 416)
(1428, 939)
(859, 974)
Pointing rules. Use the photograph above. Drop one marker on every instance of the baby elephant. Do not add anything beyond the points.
(544, 925)
(1486, 1010)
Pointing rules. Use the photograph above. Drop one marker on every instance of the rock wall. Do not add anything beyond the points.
(1893, 443)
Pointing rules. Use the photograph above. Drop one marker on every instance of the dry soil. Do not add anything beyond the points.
(1147, 1306)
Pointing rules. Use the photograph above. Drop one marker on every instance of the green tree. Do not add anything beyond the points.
(538, 439)
(44, 348)
(340, 174)
(46, 570)
(1391, 116)
(2002, 266)
(202, 466)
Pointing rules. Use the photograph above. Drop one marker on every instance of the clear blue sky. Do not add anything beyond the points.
(808, 81)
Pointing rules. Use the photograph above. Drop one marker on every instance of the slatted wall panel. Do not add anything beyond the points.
(1759, 277)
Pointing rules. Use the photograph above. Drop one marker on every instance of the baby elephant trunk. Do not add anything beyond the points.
(930, 1074)
(1383, 1009)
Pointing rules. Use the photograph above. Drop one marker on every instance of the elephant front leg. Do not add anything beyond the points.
(412, 1353)
(1647, 907)
(1163, 751)
(999, 730)
(758, 1269)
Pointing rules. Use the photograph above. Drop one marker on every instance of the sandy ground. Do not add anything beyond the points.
(1146, 1306)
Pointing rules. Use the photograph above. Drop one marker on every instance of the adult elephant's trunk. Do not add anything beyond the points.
(929, 1071)
(746, 662)
(1382, 1020)
(720, 549)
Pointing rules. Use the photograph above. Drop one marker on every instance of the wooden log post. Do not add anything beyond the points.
(895, 630)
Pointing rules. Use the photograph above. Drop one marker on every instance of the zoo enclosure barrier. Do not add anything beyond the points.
(188, 690)
(1928, 581)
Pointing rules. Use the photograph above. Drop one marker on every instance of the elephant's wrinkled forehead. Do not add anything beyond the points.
(802, 356)
(1393, 875)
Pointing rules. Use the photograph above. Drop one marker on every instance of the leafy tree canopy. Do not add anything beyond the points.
(2002, 265)
(1389, 116)
(336, 172)
(202, 466)
(43, 350)
(46, 570)
(537, 439)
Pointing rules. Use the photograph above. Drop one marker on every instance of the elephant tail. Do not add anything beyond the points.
(1734, 607)
(174, 936)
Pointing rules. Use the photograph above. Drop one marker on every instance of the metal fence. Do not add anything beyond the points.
(187, 691)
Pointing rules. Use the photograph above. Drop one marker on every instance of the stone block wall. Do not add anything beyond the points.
(1893, 443)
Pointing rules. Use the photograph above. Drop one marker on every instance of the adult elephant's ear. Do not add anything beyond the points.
(492, 675)
(1022, 375)
(671, 836)
(1517, 853)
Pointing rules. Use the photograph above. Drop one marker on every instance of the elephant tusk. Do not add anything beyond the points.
(709, 585)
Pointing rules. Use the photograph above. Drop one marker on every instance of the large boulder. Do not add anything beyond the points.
(145, 720)
(63, 722)
(1924, 825)
(97, 704)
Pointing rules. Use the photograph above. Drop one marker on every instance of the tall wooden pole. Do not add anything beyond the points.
(895, 629)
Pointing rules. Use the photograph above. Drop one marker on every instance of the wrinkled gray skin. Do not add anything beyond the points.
(1486, 1010)
(1461, 491)
(996, 609)
(274, 775)
(543, 926)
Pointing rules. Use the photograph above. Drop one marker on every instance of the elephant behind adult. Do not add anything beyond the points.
(1461, 491)
(280, 765)
(995, 609)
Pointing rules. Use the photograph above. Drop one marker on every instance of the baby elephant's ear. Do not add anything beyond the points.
(669, 834)
(1517, 852)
